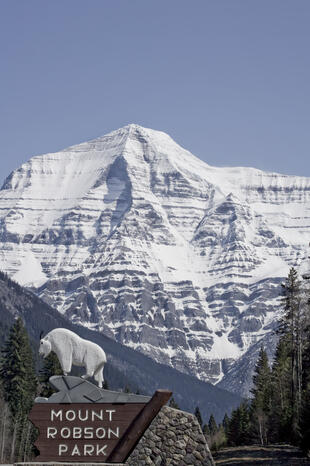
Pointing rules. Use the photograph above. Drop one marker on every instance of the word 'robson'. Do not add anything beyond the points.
(83, 432)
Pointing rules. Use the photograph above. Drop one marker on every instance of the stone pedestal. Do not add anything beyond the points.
(174, 438)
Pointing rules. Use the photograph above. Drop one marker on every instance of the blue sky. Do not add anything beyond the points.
(227, 79)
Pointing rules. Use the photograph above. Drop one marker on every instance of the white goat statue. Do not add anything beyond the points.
(72, 349)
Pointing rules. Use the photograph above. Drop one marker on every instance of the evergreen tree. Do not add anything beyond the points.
(305, 423)
(173, 404)
(17, 370)
(226, 423)
(239, 426)
(19, 384)
(212, 425)
(4, 428)
(261, 403)
(305, 411)
(206, 430)
(281, 406)
(50, 367)
(292, 326)
(198, 415)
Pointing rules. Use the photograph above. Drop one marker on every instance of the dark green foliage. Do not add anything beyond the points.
(206, 430)
(17, 373)
(225, 423)
(293, 333)
(173, 403)
(5, 432)
(305, 422)
(19, 384)
(305, 408)
(280, 408)
(50, 367)
(239, 426)
(212, 425)
(261, 402)
(198, 415)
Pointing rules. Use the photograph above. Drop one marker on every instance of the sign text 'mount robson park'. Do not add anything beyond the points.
(81, 431)
(82, 422)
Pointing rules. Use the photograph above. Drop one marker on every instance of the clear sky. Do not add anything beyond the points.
(228, 79)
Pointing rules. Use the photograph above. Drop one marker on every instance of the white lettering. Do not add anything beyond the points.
(100, 429)
(51, 432)
(65, 432)
(77, 432)
(89, 450)
(70, 415)
(81, 418)
(58, 414)
(88, 433)
(110, 411)
(62, 449)
(114, 432)
(98, 416)
(75, 451)
(100, 451)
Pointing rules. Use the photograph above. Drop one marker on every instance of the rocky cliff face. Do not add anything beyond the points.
(133, 235)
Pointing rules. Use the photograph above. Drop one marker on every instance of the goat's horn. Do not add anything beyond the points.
(41, 334)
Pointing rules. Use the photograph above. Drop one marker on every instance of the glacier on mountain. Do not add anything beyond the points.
(135, 236)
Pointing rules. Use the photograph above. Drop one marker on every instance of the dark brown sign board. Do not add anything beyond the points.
(92, 432)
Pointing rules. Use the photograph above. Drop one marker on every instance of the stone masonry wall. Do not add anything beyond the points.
(173, 439)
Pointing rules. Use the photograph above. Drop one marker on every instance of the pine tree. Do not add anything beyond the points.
(281, 406)
(206, 430)
(305, 423)
(239, 426)
(212, 425)
(4, 428)
(261, 403)
(226, 423)
(17, 370)
(293, 326)
(173, 404)
(50, 367)
(19, 384)
(305, 409)
(198, 415)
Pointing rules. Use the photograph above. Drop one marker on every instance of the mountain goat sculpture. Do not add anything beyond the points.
(74, 350)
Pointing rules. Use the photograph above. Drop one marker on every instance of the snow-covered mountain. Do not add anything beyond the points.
(133, 235)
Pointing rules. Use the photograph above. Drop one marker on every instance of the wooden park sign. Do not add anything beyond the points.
(83, 423)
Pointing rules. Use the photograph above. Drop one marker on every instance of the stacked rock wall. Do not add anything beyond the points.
(173, 439)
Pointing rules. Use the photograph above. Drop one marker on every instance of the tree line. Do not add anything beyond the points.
(279, 409)
(19, 385)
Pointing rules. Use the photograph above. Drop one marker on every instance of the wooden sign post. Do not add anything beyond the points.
(92, 431)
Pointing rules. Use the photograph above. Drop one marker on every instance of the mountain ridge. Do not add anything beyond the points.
(133, 235)
(125, 367)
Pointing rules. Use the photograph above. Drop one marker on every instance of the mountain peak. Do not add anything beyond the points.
(135, 236)
(135, 129)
